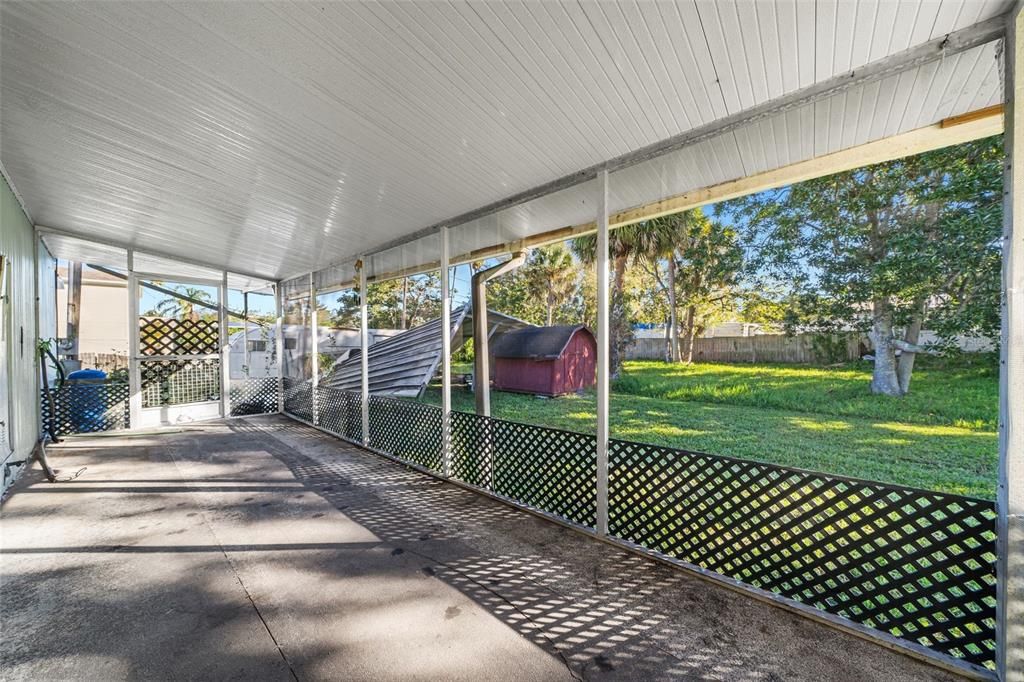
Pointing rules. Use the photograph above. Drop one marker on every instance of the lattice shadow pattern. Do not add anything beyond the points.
(169, 336)
(549, 469)
(253, 396)
(340, 412)
(407, 430)
(86, 408)
(917, 564)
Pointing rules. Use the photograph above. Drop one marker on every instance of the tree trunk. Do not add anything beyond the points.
(884, 380)
(689, 334)
(673, 315)
(905, 368)
(617, 316)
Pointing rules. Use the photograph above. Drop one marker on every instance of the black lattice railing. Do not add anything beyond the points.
(253, 396)
(470, 435)
(86, 408)
(340, 412)
(176, 382)
(916, 564)
(407, 430)
(298, 398)
(548, 469)
(169, 336)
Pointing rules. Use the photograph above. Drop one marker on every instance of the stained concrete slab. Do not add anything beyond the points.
(262, 549)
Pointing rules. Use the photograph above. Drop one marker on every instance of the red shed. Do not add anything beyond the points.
(545, 360)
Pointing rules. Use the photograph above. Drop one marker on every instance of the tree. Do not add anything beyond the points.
(887, 249)
(421, 293)
(551, 277)
(623, 243)
(709, 262)
(174, 306)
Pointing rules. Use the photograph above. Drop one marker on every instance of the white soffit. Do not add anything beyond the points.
(278, 139)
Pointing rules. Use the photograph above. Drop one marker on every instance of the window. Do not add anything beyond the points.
(289, 344)
(257, 346)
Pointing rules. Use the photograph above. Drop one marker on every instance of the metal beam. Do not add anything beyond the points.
(603, 351)
(314, 349)
(225, 346)
(446, 359)
(1010, 491)
(279, 344)
(134, 373)
(919, 55)
(364, 347)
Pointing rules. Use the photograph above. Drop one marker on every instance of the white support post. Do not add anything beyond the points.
(364, 347)
(225, 348)
(446, 360)
(134, 374)
(279, 344)
(1010, 492)
(314, 345)
(603, 352)
(245, 334)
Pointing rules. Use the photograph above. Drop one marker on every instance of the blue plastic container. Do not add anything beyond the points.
(88, 408)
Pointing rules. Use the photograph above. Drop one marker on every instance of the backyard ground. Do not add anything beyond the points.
(942, 436)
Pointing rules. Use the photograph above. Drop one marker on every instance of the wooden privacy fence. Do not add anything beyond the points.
(809, 349)
(108, 362)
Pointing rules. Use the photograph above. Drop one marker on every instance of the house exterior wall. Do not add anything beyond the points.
(19, 393)
(104, 320)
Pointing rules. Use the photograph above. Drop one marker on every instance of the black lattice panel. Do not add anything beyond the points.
(917, 564)
(469, 436)
(406, 429)
(340, 412)
(176, 382)
(169, 336)
(298, 398)
(552, 470)
(253, 396)
(86, 408)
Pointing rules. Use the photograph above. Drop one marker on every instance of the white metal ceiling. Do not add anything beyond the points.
(279, 138)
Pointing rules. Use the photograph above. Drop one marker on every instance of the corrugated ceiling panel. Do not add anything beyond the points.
(276, 139)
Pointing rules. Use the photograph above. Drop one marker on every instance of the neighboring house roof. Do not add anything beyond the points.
(404, 364)
(539, 343)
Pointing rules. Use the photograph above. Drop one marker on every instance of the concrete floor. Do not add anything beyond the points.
(262, 549)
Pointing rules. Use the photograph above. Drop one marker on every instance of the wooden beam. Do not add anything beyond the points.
(951, 131)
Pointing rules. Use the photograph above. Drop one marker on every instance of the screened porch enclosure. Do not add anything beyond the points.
(239, 193)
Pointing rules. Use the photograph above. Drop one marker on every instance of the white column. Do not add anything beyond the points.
(314, 348)
(603, 352)
(446, 360)
(279, 344)
(1010, 493)
(364, 346)
(134, 375)
(225, 348)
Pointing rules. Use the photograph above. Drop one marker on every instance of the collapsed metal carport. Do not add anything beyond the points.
(295, 145)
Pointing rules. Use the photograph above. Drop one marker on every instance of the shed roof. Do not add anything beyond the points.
(541, 343)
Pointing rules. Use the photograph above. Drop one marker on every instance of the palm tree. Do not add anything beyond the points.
(183, 306)
(550, 277)
(648, 240)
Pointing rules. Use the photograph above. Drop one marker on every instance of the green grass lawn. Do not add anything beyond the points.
(940, 437)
